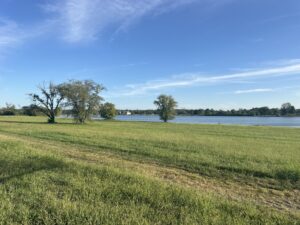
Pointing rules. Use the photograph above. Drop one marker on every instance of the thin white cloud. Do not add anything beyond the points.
(10, 35)
(85, 20)
(199, 79)
(259, 90)
(13, 34)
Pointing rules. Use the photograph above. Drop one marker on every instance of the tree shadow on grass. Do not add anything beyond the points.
(18, 168)
(33, 122)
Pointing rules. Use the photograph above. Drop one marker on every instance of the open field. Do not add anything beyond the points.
(111, 172)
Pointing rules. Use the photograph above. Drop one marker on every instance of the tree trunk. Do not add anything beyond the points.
(51, 118)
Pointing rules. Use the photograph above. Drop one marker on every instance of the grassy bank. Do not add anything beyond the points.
(147, 173)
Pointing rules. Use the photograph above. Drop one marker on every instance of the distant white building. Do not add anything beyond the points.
(128, 113)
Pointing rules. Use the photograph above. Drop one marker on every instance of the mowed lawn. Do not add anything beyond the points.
(111, 172)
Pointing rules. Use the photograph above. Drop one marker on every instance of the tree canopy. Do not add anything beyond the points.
(166, 107)
(83, 97)
(108, 111)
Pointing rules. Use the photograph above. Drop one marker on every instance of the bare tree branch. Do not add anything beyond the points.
(49, 101)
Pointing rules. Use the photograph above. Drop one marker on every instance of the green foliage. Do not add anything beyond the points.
(49, 101)
(257, 111)
(9, 110)
(166, 107)
(287, 109)
(31, 110)
(108, 111)
(83, 98)
(143, 173)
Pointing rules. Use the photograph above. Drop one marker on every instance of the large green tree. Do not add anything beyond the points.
(108, 111)
(49, 100)
(166, 106)
(83, 98)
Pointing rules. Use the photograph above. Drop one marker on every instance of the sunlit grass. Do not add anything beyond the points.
(121, 172)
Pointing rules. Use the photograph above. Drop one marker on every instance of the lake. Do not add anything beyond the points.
(234, 120)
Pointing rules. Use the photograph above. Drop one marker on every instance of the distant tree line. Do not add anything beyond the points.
(286, 110)
(81, 100)
(108, 111)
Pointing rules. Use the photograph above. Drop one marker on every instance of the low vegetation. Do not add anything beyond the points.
(111, 172)
(286, 110)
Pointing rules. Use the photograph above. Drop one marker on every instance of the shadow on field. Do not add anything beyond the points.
(31, 122)
(16, 169)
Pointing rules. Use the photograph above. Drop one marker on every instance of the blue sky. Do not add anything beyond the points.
(219, 54)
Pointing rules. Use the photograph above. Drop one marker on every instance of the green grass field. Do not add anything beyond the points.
(111, 172)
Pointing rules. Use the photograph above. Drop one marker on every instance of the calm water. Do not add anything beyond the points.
(237, 120)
